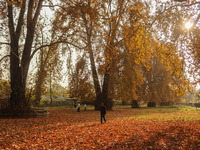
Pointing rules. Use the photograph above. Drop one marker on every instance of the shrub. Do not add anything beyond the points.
(135, 104)
(151, 104)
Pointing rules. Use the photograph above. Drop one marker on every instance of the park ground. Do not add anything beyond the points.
(144, 128)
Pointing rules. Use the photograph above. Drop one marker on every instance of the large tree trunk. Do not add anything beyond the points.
(105, 91)
(98, 92)
(17, 97)
(101, 94)
(19, 69)
(97, 87)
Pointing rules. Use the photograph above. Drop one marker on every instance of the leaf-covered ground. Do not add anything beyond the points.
(159, 128)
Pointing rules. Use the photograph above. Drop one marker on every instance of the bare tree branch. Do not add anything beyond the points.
(5, 43)
(37, 13)
(4, 57)
(55, 6)
(196, 21)
(166, 9)
(51, 44)
(20, 20)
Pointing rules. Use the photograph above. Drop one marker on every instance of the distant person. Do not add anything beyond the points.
(85, 106)
(78, 107)
(103, 112)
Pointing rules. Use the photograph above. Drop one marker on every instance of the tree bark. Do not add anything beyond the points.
(39, 83)
(98, 100)
(105, 91)
(17, 88)
(97, 87)
(19, 69)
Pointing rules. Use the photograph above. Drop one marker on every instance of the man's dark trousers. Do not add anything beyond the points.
(103, 117)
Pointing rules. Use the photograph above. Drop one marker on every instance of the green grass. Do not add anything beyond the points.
(158, 109)
(174, 113)
(160, 113)
(67, 107)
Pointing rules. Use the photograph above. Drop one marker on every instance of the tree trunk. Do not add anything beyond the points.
(40, 78)
(89, 27)
(98, 92)
(135, 104)
(98, 100)
(38, 92)
(19, 70)
(17, 97)
(105, 92)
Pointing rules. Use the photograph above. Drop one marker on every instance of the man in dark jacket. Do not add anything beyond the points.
(103, 112)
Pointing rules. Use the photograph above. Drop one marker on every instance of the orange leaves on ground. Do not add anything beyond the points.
(65, 129)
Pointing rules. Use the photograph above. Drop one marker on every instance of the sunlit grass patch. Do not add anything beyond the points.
(168, 113)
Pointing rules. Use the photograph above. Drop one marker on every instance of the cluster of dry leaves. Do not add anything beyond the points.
(125, 129)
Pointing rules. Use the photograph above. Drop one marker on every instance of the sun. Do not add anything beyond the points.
(188, 25)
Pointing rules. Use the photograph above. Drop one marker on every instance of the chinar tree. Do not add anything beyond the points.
(118, 41)
(101, 27)
(48, 62)
(176, 41)
(20, 18)
(80, 85)
(19, 64)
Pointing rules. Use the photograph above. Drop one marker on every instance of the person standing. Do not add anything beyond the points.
(85, 106)
(103, 112)
(78, 107)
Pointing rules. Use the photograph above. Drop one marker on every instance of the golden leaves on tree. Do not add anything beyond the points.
(15, 2)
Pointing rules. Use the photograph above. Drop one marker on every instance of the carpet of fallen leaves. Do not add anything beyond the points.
(125, 129)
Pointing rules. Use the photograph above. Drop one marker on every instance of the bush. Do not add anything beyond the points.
(135, 104)
(151, 104)
(197, 105)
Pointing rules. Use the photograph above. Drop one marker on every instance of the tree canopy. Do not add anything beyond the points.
(127, 50)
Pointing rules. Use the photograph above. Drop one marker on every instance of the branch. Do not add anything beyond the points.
(11, 21)
(20, 20)
(4, 57)
(55, 6)
(166, 9)
(58, 42)
(51, 6)
(37, 13)
(4, 43)
(196, 21)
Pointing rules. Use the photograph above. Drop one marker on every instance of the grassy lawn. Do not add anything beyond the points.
(126, 128)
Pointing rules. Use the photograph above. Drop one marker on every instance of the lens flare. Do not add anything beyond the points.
(188, 25)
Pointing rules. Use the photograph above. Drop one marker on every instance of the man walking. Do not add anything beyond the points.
(103, 112)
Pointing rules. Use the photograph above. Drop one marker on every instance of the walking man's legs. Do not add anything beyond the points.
(103, 118)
